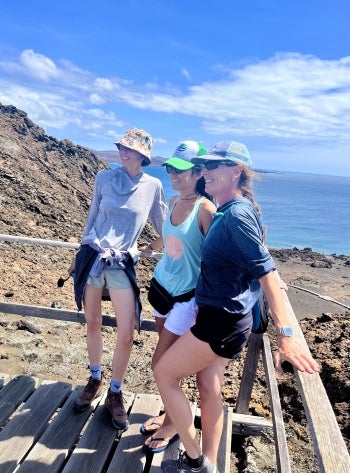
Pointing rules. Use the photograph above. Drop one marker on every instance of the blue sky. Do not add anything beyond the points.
(272, 74)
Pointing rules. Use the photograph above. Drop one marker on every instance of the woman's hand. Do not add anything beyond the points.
(145, 249)
(288, 348)
(300, 358)
(154, 245)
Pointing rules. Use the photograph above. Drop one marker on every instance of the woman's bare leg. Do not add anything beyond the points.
(209, 383)
(93, 317)
(186, 356)
(123, 301)
(167, 430)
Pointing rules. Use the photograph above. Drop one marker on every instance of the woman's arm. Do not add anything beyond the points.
(155, 245)
(94, 205)
(205, 215)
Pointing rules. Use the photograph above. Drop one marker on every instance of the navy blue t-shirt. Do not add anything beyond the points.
(233, 258)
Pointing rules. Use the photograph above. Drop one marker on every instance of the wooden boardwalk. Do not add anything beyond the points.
(41, 433)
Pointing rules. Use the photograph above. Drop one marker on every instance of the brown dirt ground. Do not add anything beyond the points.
(58, 351)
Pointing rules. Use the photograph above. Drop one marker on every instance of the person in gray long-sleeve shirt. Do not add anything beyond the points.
(122, 202)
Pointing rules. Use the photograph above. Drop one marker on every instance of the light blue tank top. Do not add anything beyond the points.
(178, 270)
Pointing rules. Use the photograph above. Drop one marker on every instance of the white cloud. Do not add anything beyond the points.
(38, 65)
(160, 140)
(185, 73)
(104, 84)
(290, 98)
(96, 99)
(286, 96)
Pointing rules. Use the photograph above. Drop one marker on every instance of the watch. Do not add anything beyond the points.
(286, 331)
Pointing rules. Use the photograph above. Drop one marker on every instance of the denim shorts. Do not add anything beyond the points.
(112, 279)
(181, 317)
(226, 333)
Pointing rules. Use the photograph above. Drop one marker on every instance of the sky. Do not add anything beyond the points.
(273, 74)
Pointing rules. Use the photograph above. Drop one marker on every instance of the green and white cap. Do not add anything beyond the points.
(185, 151)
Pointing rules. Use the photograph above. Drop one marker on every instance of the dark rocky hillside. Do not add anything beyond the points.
(45, 184)
(45, 192)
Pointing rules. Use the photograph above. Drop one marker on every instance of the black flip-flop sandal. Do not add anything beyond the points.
(145, 431)
(168, 441)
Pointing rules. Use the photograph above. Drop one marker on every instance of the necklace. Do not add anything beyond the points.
(189, 198)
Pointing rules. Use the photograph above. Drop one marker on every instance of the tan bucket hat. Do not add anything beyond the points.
(140, 141)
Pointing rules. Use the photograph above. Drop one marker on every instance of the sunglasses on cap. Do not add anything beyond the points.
(210, 165)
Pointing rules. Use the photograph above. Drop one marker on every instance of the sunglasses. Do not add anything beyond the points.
(210, 165)
(61, 281)
(170, 169)
(125, 149)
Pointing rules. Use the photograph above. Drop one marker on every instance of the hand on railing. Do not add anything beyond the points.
(289, 350)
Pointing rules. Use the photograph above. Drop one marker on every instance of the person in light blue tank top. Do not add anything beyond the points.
(187, 222)
(178, 270)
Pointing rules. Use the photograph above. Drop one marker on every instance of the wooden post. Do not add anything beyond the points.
(249, 372)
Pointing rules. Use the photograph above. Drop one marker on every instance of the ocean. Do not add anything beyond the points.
(299, 210)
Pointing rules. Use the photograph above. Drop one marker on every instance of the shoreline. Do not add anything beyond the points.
(309, 250)
(317, 283)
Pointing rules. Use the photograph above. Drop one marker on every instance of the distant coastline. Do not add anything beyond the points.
(110, 158)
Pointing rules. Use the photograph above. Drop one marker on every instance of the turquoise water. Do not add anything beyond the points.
(300, 210)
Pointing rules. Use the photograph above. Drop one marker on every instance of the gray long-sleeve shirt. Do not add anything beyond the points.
(120, 208)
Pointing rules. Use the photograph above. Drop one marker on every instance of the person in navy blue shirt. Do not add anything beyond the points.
(235, 266)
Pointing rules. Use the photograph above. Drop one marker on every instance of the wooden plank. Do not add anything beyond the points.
(49, 453)
(282, 455)
(249, 373)
(129, 456)
(224, 454)
(330, 448)
(4, 378)
(13, 394)
(61, 314)
(29, 422)
(243, 424)
(93, 449)
(247, 424)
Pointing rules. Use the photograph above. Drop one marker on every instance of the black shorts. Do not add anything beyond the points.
(226, 333)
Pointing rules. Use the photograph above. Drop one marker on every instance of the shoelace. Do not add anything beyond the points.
(180, 460)
(118, 402)
(88, 390)
(91, 385)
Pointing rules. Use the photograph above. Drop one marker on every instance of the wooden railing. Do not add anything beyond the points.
(329, 445)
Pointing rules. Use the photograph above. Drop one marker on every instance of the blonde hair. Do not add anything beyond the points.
(246, 185)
